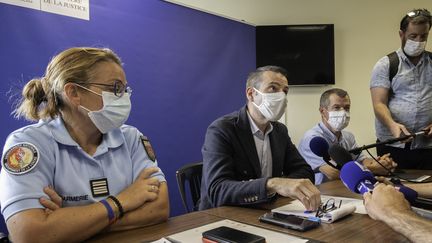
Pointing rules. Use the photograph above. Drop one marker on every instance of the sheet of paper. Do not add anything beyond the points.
(195, 235)
(297, 208)
(163, 240)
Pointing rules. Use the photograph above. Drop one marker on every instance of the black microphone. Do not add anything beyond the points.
(388, 141)
(320, 147)
(339, 155)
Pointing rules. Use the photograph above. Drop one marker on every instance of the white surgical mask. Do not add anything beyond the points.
(414, 48)
(272, 105)
(114, 113)
(338, 120)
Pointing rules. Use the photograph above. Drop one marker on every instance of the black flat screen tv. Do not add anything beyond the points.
(305, 51)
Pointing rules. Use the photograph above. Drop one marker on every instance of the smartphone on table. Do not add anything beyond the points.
(290, 221)
(225, 234)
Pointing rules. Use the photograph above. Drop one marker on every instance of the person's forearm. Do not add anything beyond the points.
(329, 172)
(423, 189)
(412, 226)
(149, 213)
(231, 192)
(62, 225)
(383, 114)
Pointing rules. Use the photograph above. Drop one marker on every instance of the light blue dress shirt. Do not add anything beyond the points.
(411, 102)
(347, 141)
(64, 165)
(262, 144)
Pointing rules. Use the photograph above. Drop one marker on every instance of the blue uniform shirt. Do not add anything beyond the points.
(347, 141)
(411, 101)
(60, 162)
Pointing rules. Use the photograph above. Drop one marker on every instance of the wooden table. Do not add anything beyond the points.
(155, 232)
(354, 228)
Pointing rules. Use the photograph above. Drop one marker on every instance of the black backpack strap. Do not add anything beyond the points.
(394, 65)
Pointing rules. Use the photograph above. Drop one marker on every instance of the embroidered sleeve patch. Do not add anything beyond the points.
(20, 158)
(148, 148)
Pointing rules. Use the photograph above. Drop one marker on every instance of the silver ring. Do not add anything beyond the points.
(153, 188)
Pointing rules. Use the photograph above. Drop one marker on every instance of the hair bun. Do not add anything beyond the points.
(33, 90)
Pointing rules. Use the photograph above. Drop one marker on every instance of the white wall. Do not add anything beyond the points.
(364, 31)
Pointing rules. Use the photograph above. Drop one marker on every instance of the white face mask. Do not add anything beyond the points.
(272, 105)
(114, 113)
(414, 48)
(338, 120)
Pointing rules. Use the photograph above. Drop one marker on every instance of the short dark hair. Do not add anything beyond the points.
(325, 97)
(416, 16)
(254, 78)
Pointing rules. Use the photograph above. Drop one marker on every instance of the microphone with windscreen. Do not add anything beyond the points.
(339, 155)
(320, 147)
(361, 180)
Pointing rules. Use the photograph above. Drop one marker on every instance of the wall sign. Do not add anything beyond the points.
(72, 8)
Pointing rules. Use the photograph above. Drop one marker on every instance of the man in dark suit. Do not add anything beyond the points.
(248, 156)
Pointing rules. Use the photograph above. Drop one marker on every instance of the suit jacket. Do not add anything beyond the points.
(231, 167)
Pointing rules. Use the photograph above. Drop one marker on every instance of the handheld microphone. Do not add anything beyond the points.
(389, 141)
(339, 155)
(361, 180)
(320, 147)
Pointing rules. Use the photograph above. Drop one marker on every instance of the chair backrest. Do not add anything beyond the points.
(190, 173)
(3, 238)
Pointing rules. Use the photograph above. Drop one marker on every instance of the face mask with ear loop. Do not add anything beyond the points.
(414, 48)
(272, 105)
(338, 120)
(114, 113)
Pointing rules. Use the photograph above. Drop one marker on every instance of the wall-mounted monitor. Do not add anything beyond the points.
(305, 51)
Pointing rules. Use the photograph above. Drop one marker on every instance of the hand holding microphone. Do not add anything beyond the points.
(360, 180)
(398, 130)
(404, 138)
(385, 202)
(428, 131)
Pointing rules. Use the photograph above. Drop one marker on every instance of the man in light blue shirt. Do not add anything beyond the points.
(334, 108)
(403, 105)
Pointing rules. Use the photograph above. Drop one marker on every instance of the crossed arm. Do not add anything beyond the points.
(145, 202)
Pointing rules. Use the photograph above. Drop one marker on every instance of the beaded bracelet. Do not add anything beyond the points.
(118, 204)
(111, 216)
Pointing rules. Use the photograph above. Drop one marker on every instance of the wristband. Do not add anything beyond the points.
(118, 204)
(111, 216)
(116, 209)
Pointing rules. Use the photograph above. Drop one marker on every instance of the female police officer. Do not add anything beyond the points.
(60, 175)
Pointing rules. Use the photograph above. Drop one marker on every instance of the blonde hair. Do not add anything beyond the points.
(41, 97)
